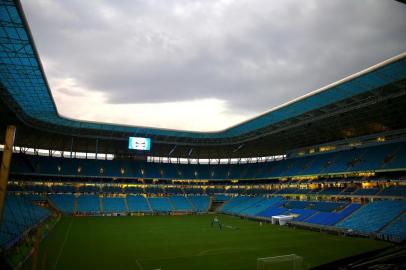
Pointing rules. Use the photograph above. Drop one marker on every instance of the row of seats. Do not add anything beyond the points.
(19, 216)
(92, 204)
(380, 157)
(390, 191)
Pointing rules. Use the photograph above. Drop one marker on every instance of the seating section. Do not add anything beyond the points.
(233, 202)
(219, 193)
(397, 229)
(245, 205)
(138, 203)
(192, 190)
(331, 191)
(297, 204)
(315, 212)
(221, 197)
(34, 197)
(16, 188)
(260, 206)
(394, 191)
(181, 204)
(114, 205)
(174, 190)
(213, 191)
(38, 188)
(366, 191)
(344, 215)
(273, 211)
(319, 206)
(200, 203)
(287, 191)
(257, 191)
(112, 189)
(327, 206)
(89, 189)
(64, 189)
(302, 214)
(160, 204)
(331, 218)
(64, 202)
(154, 190)
(89, 204)
(349, 191)
(134, 190)
(19, 215)
(373, 216)
(390, 156)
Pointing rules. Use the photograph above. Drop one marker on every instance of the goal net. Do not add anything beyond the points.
(285, 262)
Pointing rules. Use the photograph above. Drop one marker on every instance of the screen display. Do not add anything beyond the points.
(138, 143)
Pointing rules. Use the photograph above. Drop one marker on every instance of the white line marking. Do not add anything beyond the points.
(63, 244)
(205, 253)
(139, 265)
(217, 251)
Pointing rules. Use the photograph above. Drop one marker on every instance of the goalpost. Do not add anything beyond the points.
(285, 262)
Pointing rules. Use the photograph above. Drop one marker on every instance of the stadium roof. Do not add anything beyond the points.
(25, 91)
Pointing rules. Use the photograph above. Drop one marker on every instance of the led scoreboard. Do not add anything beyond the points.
(139, 143)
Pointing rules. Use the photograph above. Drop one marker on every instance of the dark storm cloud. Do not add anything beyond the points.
(253, 54)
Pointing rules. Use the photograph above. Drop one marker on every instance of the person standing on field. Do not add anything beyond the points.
(216, 222)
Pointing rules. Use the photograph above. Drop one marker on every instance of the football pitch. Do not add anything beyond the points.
(185, 242)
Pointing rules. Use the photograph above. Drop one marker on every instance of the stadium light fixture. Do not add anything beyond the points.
(238, 148)
(172, 150)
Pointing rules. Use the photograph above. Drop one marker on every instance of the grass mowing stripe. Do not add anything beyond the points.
(63, 244)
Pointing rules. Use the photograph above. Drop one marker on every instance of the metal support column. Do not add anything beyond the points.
(5, 165)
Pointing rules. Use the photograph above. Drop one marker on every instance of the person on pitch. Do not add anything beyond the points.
(216, 222)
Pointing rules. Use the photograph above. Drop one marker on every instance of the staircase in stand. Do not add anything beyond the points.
(191, 203)
(75, 205)
(126, 204)
(101, 206)
(215, 205)
(149, 204)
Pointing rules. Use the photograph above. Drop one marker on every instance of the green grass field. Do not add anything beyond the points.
(184, 242)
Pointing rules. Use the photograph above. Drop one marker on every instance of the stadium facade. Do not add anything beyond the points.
(329, 159)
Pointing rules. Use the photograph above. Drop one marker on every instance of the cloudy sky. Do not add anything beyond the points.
(204, 65)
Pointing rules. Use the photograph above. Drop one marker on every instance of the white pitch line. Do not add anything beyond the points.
(63, 244)
(139, 264)
(205, 253)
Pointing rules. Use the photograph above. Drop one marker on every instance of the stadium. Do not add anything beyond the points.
(315, 183)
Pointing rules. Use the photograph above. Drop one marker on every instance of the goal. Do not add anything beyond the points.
(285, 262)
